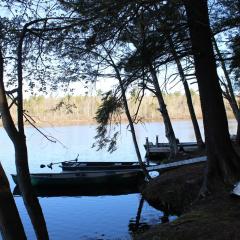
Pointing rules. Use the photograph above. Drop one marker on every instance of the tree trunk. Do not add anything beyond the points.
(10, 222)
(223, 162)
(30, 200)
(166, 119)
(132, 128)
(188, 94)
(127, 111)
(21, 159)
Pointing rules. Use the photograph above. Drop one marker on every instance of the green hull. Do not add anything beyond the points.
(85, 179)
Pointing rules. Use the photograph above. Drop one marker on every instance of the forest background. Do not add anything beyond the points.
(70, 110)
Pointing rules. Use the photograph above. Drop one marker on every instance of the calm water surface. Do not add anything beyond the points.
(89, 217)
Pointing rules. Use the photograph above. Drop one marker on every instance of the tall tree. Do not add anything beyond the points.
(105, 57)
(143, 59)
(187, 92)
(225, 24)
(170, 27)
(128, 114)
(228, 91)
(21, 160)
(223, 162)
(111, 24)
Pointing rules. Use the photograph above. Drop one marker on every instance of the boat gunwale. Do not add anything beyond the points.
(75, 173)
(100, 164)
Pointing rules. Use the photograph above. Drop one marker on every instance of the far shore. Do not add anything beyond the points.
(77, 122)
(81, 110)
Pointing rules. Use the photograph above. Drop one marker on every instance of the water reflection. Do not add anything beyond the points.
(79, 192)
(88, 216)
(139, 224)
(135, 223)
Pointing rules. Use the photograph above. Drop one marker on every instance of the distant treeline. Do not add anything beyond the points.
(81, 109)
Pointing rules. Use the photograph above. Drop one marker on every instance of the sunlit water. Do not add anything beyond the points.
(86, 217)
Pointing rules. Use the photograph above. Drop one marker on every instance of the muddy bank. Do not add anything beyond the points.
(175, 190)
(215, 217)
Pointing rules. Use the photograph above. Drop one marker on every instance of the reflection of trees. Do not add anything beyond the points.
(92, 190)
(136, 225)
(10, 223)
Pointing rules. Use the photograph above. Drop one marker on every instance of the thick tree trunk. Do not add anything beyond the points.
(170, 135)
(188, 94)
(223, 162)
(10, 223)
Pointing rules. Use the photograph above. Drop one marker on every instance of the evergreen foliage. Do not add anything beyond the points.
(108, 111)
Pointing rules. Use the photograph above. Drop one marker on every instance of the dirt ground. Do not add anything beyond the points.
(216, 217)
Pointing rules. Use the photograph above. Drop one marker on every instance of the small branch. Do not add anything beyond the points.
(11, 91)
(138, 107)
(14, 100)
(49, 138)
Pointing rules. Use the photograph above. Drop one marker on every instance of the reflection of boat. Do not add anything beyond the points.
(86, 178)
(83, 191)
(73, 166)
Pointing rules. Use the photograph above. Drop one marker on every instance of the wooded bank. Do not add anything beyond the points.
(81, 109)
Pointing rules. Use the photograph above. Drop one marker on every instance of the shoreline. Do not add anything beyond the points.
(93, 122)
(176, 192)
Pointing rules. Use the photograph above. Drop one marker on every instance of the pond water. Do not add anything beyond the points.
(89, 217)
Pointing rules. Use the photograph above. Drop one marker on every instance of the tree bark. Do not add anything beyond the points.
(197, 132)
(223, 162)
(10, 222)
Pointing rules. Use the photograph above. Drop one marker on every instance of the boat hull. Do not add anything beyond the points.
(77, 179)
